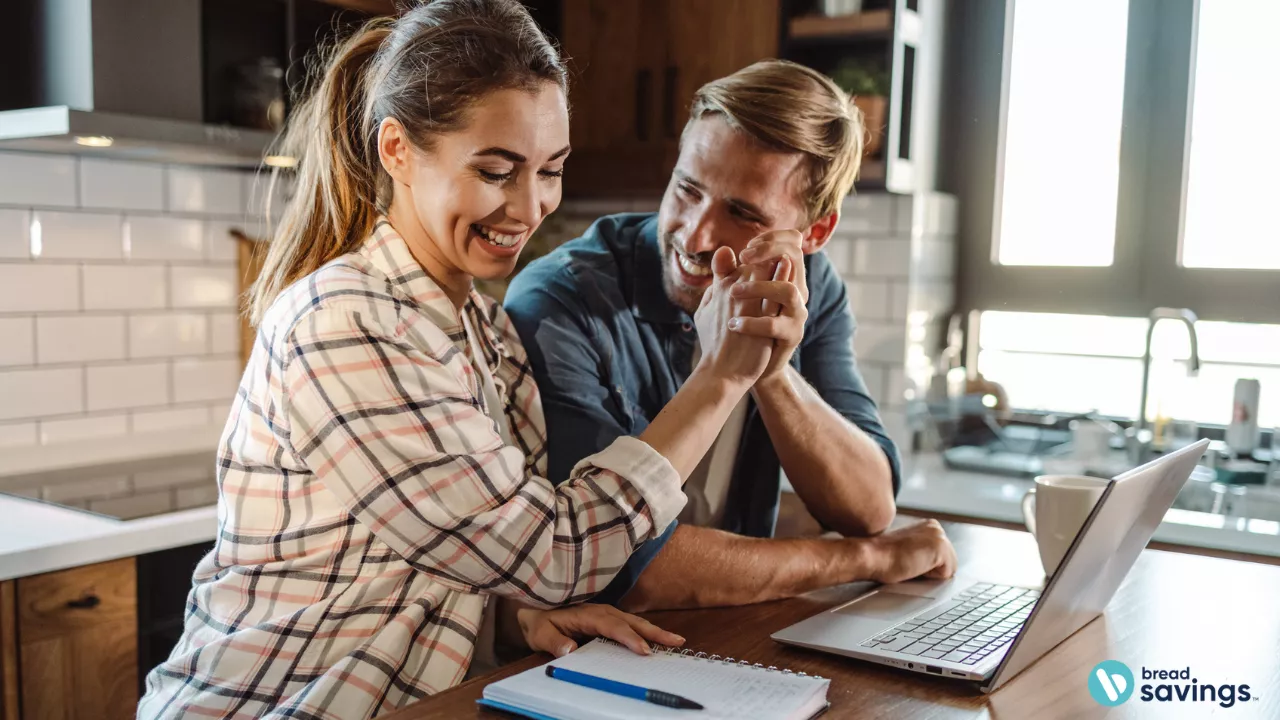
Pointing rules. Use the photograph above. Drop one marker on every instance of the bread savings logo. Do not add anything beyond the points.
(1112, 683)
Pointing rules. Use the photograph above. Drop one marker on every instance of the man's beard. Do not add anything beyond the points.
(678, 293)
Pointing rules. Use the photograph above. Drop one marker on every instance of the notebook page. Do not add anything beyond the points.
(727, 691)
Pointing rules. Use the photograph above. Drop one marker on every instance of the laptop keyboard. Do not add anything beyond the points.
(966, 629)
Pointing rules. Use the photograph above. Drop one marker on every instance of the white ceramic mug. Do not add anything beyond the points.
(1055, 510)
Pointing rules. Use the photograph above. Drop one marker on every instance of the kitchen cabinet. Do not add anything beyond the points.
(68, 644)
(635, 65)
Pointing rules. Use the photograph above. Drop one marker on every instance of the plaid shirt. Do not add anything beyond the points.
(368, 505)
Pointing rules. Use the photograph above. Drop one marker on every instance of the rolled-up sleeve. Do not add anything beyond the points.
(582, 414)
(394, 432)
(827, 358)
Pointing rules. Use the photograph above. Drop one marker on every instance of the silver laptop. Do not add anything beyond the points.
(987, 632)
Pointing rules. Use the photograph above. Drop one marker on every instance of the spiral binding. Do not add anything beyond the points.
(686, 652)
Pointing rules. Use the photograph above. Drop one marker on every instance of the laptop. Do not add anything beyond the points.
(987, 632)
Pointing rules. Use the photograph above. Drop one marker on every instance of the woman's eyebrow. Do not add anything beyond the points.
(516, 157)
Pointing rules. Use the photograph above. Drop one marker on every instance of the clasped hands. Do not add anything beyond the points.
(751, 318)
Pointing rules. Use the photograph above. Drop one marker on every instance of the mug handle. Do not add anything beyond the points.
(1029, 510)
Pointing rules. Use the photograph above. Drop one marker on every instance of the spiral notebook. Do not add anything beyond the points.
(729, 689)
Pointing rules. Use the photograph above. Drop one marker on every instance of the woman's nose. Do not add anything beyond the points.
(525, 205)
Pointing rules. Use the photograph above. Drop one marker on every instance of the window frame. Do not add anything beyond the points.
(1150, 210)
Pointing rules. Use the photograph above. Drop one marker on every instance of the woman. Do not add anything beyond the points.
(381, 474)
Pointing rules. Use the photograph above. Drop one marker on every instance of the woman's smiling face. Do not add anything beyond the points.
(468, 206)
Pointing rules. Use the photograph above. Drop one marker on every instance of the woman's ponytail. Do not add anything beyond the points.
(333, 137)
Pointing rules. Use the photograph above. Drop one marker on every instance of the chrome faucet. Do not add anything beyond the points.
(1140, 437)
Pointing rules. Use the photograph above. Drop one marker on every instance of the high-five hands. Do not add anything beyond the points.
(774, 280)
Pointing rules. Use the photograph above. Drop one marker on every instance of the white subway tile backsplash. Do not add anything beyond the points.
(18, 434)
(218, 243)
(867, 213)
(899, 293)
(17, 341)
(196, 496)
(121, 185)
(79, 338)
(883, 341)
(125, 287)
(37, 179)
(85, 489)
(115, 387)
(868, 299)
(205, 190)
(940, 217)
(33, 287)
(167, 335)
(224, 330)
(202, 286)
(80, 236)
(55, 432)
(165, 238)
(839, 251)
(882, 258)
(42, 392)
(214, 379)
(14, 241)
(149, 421)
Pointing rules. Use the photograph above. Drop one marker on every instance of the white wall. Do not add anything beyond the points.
(117, 296)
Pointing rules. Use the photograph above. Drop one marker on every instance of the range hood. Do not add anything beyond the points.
(118, 78)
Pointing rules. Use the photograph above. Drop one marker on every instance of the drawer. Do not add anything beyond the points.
(68, 601)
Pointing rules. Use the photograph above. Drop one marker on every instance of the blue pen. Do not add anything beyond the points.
(657, 697)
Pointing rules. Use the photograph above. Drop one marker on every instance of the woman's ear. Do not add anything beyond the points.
(393, 150)
(817, 235)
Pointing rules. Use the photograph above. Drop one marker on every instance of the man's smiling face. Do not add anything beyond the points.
(726, 189)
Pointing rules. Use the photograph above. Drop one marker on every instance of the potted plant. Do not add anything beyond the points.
(869, 87)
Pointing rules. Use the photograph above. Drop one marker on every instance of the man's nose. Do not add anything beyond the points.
(702, 235)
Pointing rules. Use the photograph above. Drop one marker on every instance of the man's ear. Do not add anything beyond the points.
(394, 150)
(817, 235)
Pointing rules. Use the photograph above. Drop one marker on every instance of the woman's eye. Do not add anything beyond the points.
(494, 177)
(552, 173)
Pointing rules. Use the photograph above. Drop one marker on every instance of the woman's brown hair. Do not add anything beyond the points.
(425, 69)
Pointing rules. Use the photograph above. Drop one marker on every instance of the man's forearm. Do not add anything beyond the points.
(704, 567)
(840, 473)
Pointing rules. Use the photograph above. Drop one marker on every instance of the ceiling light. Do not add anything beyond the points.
(98, 141)
(280, 161)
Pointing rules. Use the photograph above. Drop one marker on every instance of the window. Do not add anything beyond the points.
(1133, 153)
(1083, 363)
(1232, 188)
(1062, 143)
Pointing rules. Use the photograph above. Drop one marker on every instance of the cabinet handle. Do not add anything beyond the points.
(88, 602)
(670, 80)
(644, 85)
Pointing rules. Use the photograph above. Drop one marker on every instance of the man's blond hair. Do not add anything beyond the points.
(789, 107)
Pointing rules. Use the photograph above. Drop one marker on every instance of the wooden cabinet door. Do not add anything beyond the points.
(709, 39)
(78, 643)
(9, 683)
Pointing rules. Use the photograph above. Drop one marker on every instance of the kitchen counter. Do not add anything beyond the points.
(38, 537)
(928, 485)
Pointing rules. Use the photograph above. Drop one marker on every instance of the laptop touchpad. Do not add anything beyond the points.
(887, 605)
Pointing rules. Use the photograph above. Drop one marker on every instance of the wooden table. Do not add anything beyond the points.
(1220, 617)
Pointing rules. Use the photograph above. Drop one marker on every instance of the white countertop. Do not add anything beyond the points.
(929, 485)
(38, 537)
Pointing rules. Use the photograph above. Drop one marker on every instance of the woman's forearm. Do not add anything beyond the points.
(690, 423)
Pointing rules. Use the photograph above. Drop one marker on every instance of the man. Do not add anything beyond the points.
(767, 157)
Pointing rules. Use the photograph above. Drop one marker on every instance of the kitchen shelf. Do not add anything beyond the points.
(873, 23)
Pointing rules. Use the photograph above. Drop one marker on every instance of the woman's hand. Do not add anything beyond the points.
(733, 356)
(553, 631)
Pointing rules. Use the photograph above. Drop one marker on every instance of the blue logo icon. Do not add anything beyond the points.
(1110, 682)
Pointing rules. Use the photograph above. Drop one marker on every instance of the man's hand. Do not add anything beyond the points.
(553, 631)
(776, 255)
(736, 357)
(920, 550)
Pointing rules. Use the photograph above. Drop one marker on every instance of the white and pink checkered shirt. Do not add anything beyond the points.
(368, 505)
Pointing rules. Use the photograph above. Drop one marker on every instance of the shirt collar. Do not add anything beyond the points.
(389, 253)
(649, 299)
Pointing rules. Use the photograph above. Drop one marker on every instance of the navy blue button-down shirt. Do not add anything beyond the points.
(609, 350)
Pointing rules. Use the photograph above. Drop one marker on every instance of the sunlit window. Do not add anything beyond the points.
(1082, 363)
(1233, 187)
(1062, 133)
